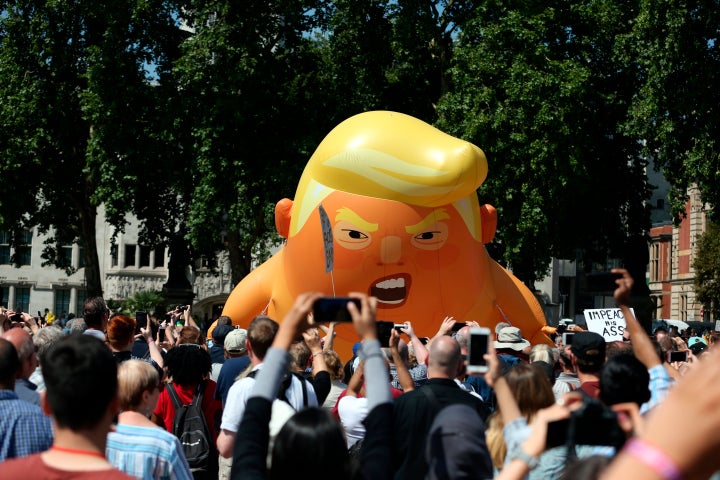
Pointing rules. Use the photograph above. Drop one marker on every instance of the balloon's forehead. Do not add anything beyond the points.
(376, 207)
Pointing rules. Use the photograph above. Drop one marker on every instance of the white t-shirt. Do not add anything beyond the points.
(352, 412)
(242, 389)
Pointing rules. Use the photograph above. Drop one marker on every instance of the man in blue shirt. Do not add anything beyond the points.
(24, 429)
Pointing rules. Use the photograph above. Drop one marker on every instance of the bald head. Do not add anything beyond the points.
(22, 341)
(444, 358)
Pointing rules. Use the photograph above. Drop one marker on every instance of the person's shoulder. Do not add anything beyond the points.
(157, 434)
(21, 467)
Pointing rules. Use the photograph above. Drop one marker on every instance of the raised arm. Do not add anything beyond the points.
(642, 345)
(421, 353)
(404, 377)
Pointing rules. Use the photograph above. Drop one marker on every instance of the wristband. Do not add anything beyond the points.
(653, 458)
(150, 340)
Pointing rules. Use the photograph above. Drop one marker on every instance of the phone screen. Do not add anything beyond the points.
(384, 330)
(477, 348)
(333, 309)
(141, 318)
(567, 338)
(678, 356)
(161, 334)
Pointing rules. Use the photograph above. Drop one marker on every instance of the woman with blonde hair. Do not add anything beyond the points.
(532, 391)
(138, 446)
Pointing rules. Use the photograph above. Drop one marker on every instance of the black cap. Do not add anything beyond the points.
(219, 333)
(588, 346)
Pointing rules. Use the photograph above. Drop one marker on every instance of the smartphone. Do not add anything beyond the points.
(161, 334)
(601, 281)
(384, 330)
(399, 327)
(141, 318)
(333, 309)
(567, 338)
(458, 326)
(677, 356)
(478, 343)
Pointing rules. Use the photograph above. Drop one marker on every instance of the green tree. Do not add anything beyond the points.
(707, 269)
(539, 88)
(247, 74)
(147, 301)
(79, 116)
(676, 110)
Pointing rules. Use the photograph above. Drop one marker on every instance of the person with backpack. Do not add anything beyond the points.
(187, 407)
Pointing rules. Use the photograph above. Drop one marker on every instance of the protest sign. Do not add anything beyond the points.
(608, 322)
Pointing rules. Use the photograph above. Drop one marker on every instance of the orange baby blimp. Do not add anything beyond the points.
(407, 228)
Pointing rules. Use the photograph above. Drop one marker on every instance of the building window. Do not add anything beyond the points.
(655, 262)
(65, 254)
(81, 297)
(22, 299)
(683, 308)
(4, 248)
(114, 255)
(205, 262)
(4, 296)
(159, 257)
(24, 248)
(144, 256)
(62, 302)
(129, 256)
(81, 257)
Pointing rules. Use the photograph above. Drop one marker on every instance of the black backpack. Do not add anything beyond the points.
(190, 426)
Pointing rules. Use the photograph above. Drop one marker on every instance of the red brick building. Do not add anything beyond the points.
(671, 276)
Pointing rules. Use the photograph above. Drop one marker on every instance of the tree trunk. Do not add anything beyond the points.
(93, 281)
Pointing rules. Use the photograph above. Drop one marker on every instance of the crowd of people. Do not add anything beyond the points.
(111, 397)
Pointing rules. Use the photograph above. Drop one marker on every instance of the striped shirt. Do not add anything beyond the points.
(147, 453)
(24, 428)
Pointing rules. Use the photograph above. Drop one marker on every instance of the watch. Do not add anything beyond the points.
(520, 454)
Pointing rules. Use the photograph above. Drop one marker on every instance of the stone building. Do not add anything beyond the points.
(126, 267)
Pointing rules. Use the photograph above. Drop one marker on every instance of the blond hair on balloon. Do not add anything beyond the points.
(396, 157)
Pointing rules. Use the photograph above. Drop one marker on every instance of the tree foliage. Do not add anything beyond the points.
(676, 108)
(247, 75)
(707, 268)
(539, 88)
(78, 116)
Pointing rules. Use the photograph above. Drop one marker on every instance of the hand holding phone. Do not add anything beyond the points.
(333, 309)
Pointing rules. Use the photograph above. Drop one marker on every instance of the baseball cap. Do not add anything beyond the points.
(588, 345)
(235, 340)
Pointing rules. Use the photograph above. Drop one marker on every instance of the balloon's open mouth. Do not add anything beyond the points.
(391, 291)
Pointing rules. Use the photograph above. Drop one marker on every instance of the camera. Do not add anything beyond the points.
(181, 308)
(592, 424)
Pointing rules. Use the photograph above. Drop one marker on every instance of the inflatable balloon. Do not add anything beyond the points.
(399, 197)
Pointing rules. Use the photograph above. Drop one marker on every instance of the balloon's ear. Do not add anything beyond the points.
(282, 216)
(488, 214)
